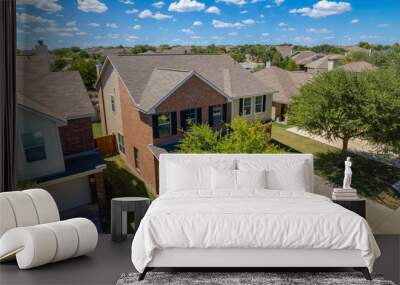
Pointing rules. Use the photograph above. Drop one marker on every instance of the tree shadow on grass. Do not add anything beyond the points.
(371, 178)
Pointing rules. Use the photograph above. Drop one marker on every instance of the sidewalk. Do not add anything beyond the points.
(360, 147)
(381, 219)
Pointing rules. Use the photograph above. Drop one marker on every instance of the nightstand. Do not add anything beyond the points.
(357, 206)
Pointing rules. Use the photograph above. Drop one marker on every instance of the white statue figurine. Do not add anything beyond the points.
(347, 174)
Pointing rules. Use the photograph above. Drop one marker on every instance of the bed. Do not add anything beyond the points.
(246, 211)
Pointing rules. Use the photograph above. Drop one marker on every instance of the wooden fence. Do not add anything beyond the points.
(107, 145)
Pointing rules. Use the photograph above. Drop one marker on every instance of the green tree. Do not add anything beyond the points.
(242, 136)
(246, 137)
(87, 70)
(384, 110)
(199, 139)
(237, 55)
(333, 105)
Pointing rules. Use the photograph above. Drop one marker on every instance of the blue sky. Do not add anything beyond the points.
(85, 23)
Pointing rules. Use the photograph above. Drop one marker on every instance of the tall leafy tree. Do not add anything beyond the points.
(199, 139)
(334, 106)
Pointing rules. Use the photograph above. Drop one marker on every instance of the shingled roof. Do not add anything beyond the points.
(150, 78)
(61, 95)
(358, 66)
(304, 57)
(287, 83)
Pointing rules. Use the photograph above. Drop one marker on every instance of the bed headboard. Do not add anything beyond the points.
(209, 159)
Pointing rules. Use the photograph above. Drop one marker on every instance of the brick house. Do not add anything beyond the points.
(55, 145)
(286, 83)
(147, 100)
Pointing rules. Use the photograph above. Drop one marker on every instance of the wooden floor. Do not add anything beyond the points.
(110, 260)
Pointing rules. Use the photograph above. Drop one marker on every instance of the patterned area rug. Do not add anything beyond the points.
(244, 278)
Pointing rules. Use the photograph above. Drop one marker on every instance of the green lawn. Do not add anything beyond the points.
(96, 128)
(371, 178)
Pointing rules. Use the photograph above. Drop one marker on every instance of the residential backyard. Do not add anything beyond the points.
(371, 178)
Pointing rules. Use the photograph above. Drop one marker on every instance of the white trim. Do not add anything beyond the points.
(98, 169)
(262, 104)
(251, 107)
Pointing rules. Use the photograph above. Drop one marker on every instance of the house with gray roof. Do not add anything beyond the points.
(55, 145)
(148, 101)
(301, 58)
(358, 66)
(325, 63)
(286, 83)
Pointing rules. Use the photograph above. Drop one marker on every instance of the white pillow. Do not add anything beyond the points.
(193, 176)
(282, 174)
(223, 179)
(188, 177)
(251, 178)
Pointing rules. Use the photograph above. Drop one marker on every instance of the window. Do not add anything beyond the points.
(112, 103)
(217, 114)
(191, 116)
(246, 106)
(164, 124)
(34, 147)
(136, 158)
(121, 143)
(258, 104)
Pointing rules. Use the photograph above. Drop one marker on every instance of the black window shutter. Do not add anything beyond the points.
(183, 120)
(240, 106)
(198, 113)
(210, 116)
(155, 126)
(224, 112)
(264, 102)
(173, 123)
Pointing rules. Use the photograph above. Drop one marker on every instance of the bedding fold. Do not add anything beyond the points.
(250, 218)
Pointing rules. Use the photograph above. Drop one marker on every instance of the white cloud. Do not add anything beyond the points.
(303, 39)
(186, 6)
(158, 4)
(290, 29)
(318, 31)
(279, 2)
(92, 6)
(127, 2)
(131, 38)
(71, 24)
(282, 24)
(157, 16)
(195, 37)
(217, 38)
(95, 25)
(262, 16)
(112, 25)
(65, 34)
(355, 21)
(329, 37)
(268, 6)
(220, 24)
(232, 34)
(256, 1)
(323, 8)
(248, 22)
(131, 11)
(265, 35)
(81, 33)
(236, 2)
(136, 27)
(39, 30)
(197, 24)
(244, 12)
(187, 31)
(46, 5)
(383, 25)
(27, 18)
(113, 36)
(369, 37)
(213, 10)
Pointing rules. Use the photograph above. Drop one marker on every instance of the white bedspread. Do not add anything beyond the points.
(250, 219)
